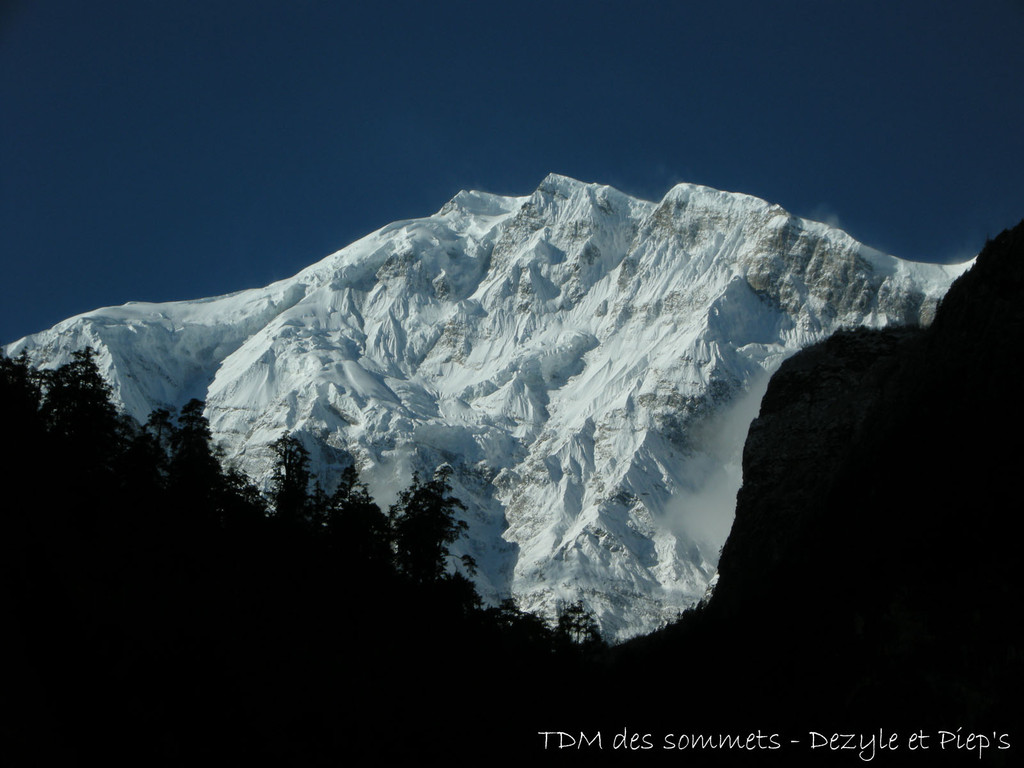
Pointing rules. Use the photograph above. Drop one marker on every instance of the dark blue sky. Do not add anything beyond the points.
(154, 150)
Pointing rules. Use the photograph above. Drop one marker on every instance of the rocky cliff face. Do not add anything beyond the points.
(884, 434)
(580, 357)
(814, 412)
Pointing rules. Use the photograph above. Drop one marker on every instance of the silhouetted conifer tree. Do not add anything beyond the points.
(577, 626)
(79, 414)
(244, 507)
(160, 432)
(290, 484)
(23, 439)
(195, 475)
(355, 524)
(21, 395)
(423, 524)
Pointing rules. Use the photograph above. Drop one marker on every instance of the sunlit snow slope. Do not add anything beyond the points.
(587, 362)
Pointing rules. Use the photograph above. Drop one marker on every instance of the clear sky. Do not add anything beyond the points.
(154, 150)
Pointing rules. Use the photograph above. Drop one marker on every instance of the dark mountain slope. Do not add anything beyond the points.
(872, 575)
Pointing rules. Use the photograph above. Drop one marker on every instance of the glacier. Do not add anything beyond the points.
(587, 362)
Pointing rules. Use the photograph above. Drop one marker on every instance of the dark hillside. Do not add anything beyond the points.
(872, 577)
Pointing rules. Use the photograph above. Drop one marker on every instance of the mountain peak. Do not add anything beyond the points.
(709, 197)
(477, 203)
(573, 354)
(556, 182)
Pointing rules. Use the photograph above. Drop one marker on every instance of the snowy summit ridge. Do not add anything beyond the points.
(586, 361)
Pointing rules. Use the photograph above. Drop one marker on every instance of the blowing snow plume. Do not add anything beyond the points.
(703, 507)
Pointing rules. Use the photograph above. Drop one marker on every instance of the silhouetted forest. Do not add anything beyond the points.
(165, 611)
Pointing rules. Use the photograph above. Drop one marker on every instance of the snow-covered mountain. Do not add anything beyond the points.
(587, 362)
